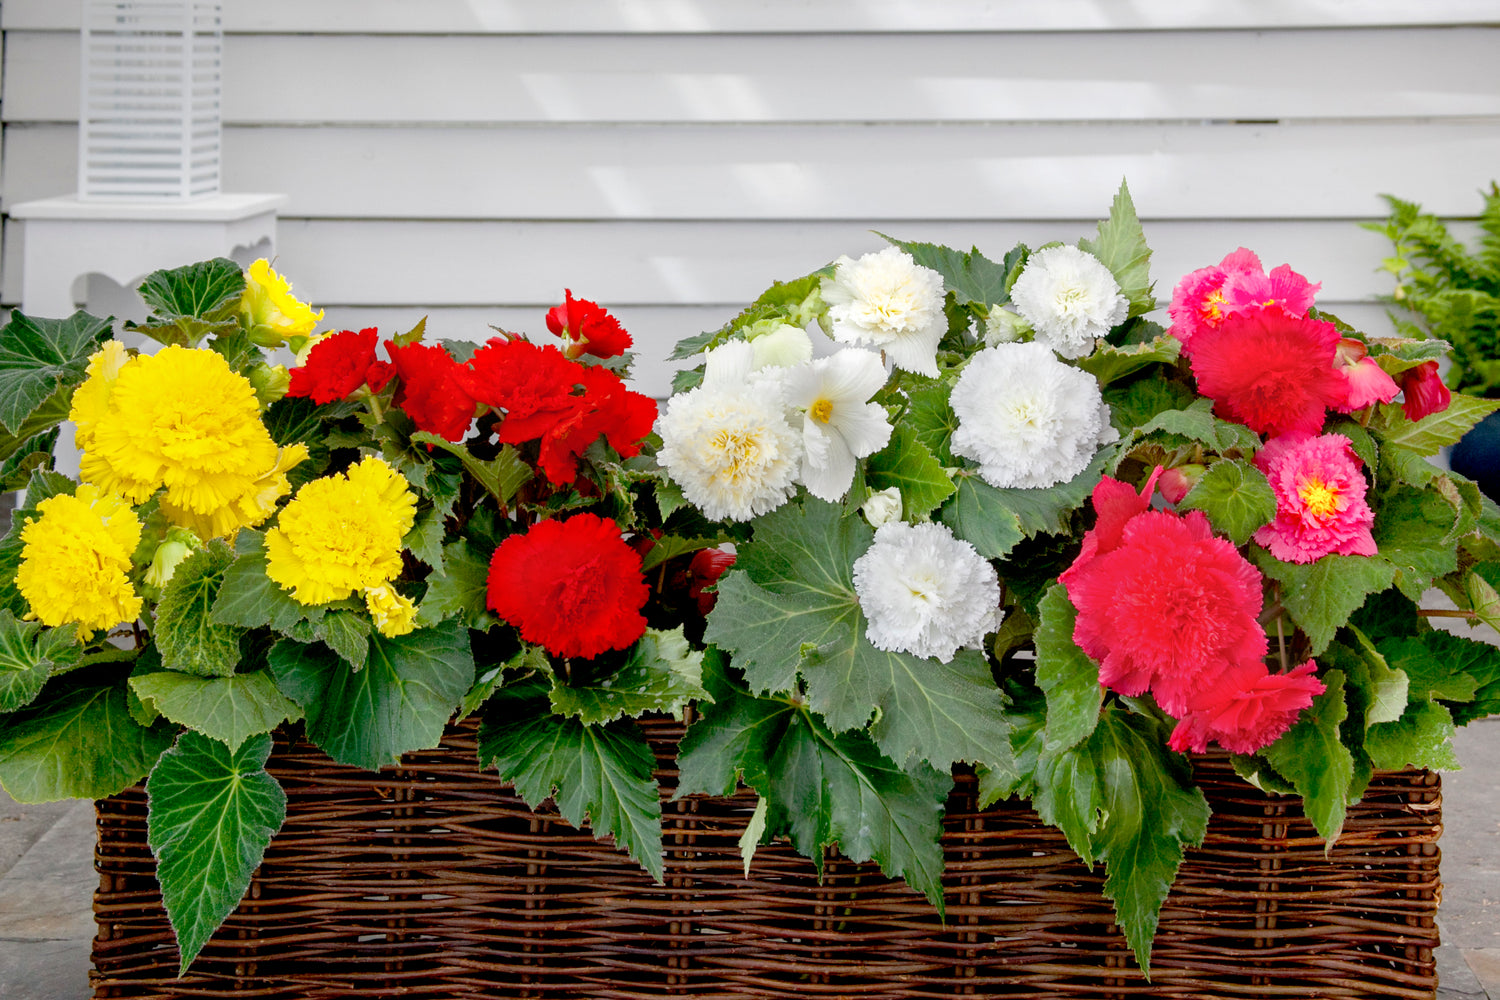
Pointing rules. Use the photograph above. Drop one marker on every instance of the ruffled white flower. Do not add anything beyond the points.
(782, 347)
(891, 302)
(728, 443)
(839, 423)
(1070, 298)
(1028, 419)
(882, 507)
(925, 592)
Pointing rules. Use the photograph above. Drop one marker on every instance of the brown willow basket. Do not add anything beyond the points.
(434, 881)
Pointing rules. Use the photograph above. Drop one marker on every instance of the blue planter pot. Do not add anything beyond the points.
(1477, 455)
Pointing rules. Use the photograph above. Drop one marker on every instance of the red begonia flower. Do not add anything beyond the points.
(1269, 370)
(336, 366)
(574, 587)
(531, 386)
(704, 570)
(429, 392)
(588, 328)
(1247, 709)
(1423, 391)
(605, 407)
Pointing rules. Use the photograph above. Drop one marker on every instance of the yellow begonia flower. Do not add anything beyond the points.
(181, 419)
(272, 312)
(91, 399)
(394, 614)
(342, 534)
(76, 560)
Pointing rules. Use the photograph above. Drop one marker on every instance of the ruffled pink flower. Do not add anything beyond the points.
(1200, 300)
(1320, 499)
(1162, 604)
(1270, 370)
(1247, 709)
(1367, 383)
(1283, 287)
(1424, 391)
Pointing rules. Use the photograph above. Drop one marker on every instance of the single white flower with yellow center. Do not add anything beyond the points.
(889, 301)
(839, 423)
(1070, 298)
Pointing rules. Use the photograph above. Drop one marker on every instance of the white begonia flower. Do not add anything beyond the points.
(891, 302)
(882, 507)
(839, 423)
(782, 347)
(1027, 418)
(728, 443)
(1070, 298)
(1004, 327)
(925, 592)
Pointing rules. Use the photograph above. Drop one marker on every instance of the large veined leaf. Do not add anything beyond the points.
(228, 709)
(1110, 363)
(185, 631)
(462, 591)
(501, 476)
(193, 301)
(211, 813)
(1320, 596)
(1066, 674)
(977, 513)
(1421, 737)
(662, 673)
(1038, 511)
(1409, 531)
(1122, 798)
(36, 432)
(971, 277)
(248, 597)
(77, 741)
(908, 465)
(399, 702)
(1237, 498)
(1312, 757)
(599, 775)
(929, 414)
(40, 356)
(29, 654)
(791, 600)
(1121, 245)
(1461, 672)
(1427, 435)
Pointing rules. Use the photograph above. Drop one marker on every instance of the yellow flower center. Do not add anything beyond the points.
(1318, 498)
(740, 451)
(821, 411)
(1212, 311)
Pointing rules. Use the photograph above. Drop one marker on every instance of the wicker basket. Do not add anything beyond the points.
(435, 882)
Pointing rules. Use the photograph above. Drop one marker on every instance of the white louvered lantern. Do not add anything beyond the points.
(149, 116)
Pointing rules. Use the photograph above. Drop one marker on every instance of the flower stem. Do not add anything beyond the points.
(1281, 643)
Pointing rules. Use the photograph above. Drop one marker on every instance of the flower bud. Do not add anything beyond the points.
(1423, 391)
(704, 570)
(1175, 483)
(177, 546)
(781, 347)
(270, 383)
(882, 507)
(1004, 327)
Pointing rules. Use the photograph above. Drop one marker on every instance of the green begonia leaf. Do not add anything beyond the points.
(1311, 756)
(977, 513)
(1027, 713)
(211, 813)
(1386, 690)
(662, 673)
(1109, 363)
(1422, 737)
(425, 540)
(185, 631)
(1121, 246)
(1409, 527)
(1035, 511)
(248, 597)
(35, 432)
(1122, 798)
(1236, 497)
(77, 741)
(399, 702)
(40, 356)
(599, 775)
(933, 419)
(191, 302)
(29, 653)
(1320, 596)
(1462, 672)
(1065, 674)
(462, 592)
(971, 277)
(501, 476)
(227, 709)
(908, 465)
(1427, 435)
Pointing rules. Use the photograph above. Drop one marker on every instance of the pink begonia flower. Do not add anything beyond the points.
(1424, 391)
(1270, 370)
(1162, 603)
(1367, 382)
(1283, 287)
(1320, 499)
(1248, 709)
(1200, 301)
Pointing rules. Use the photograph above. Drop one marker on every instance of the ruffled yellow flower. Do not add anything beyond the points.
(182, 419)
(272, 312)
(394, 614)
(76, 558)
(342, 533)
(91, 399)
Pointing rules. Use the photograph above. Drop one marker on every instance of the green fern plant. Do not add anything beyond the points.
(1449, 291)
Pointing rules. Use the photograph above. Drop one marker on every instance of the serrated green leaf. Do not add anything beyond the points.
(1121, 246)
(1460, 671)
(1427, 435)
(1036, 511)
(347, 633)
(1421, 737)
(978, 514)
(907, 464)
(77, 740)
(1110, 363)
(38, 432)
(209, 289)
(1312, 757)
(185, 631)
(1320, 596)
(599, 775)
(399, 702)
(462, 592)
(38, 357)
(1134, 404)
(785, 300)
(1386, 690)
(1236, 496)
(425, 540)
(248, 598)
(732, 739)
(501, 476)
(1122, 798)
(228, 709)
(669, 497)
(29, 654)
(1409, 526)
(1406, 466)
(662, 673)
(1066, 675)
(210, 815)
(971, 277)
(671, 546)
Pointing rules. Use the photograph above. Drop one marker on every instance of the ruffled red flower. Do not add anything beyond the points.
(1271, 371)
(531, 386)
(338, 365)
(429, 392)
(605, 407)
(1247, 709)
(1320, 499)
(1423, 391)
(1366, 382)
(574, 587)
(1200, 300)
(1162, 604)
(588, 328)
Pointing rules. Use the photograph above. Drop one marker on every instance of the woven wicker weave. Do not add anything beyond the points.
(435, 882)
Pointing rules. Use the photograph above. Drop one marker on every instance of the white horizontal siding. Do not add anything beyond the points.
(785, 16)
(852, 172)
(984, 77)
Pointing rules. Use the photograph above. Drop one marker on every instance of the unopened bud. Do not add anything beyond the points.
(1175, 483)
(882, 507)
(177, 546)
